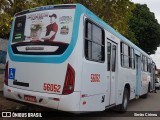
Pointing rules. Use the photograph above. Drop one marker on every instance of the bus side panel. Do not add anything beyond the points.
(93, 103)
(119, 84)
(93, 83)
(126, 76)
(69, 102)
(144, 82)
(94, 91)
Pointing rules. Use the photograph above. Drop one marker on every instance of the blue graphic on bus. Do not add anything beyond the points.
(12, 72)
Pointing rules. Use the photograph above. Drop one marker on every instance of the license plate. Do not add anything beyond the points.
(30, 98)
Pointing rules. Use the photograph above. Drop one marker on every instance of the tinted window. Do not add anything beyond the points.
(94, 42)
(113, 58)
(19, 28)
(108, 56)
(127, 56)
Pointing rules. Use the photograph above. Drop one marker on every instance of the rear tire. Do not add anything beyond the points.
(123, 107)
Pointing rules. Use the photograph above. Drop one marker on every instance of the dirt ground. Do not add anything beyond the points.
(1, 81)
(6, 105)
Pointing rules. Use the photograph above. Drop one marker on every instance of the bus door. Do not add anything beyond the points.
(111, 72)
(138, 75)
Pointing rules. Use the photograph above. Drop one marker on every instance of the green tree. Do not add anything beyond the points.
(7, 10)
(115, 12)
(146, 28)
(5, 19)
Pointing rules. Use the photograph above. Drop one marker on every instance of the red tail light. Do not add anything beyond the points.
(6, 74)
(68, 87)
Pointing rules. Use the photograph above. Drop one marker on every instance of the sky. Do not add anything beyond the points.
(154, 6)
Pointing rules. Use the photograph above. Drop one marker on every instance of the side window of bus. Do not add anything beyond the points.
(141, 62)
(113, 58)
(94, 42)
(131, 58)
(108, 56)
(144, 63)
(125, 52)
(127, 56)
(149, 65)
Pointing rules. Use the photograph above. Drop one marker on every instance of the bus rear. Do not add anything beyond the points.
(39, 68)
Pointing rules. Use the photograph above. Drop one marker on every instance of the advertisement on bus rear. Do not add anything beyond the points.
(44, 26)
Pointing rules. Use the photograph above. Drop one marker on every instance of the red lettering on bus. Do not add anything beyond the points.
(95, 77)
(51, 87)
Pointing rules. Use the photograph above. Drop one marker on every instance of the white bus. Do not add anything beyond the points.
(66, 58)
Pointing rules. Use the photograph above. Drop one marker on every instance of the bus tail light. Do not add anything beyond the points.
(6, 74)
(68, 87)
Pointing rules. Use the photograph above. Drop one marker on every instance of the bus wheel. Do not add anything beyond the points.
(125, 100)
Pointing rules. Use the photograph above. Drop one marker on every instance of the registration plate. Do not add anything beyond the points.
(30, 98)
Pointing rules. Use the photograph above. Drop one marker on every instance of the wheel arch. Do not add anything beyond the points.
(127, 85)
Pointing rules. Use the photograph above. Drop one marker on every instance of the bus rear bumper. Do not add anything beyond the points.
(68, 103)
